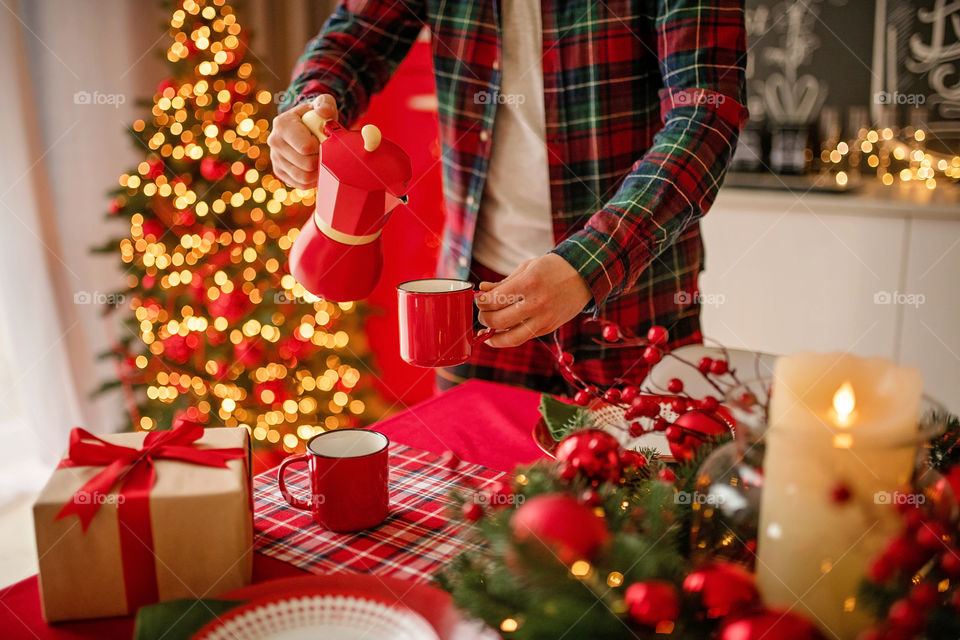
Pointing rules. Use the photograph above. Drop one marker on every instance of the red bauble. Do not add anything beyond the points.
(166, 84)
(213, 170)
(723, 588)
(189, 417)
(248, 353)
(153, 229)
(657, 335)
(116, 205)
(652, 602)
(611, 332)
(770, 625)
(155, 168)
(666, 475)
(271, 392)
(593, 453)
(176, 348)
(232, 306)
(698, 426)
(572, 530)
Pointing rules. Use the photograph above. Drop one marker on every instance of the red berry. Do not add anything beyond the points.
(636, 429)
(705, 364)
(709, 403)
(657, 335)
(719, 367)
(930, 535)
(924, 595)
(905, 614)
(879, 570)
(675, 385)
(840, 494)
(678, 405)
(659, 424)
(611, 332)
(648, 405)
(582, 398)
(612, 396)
(950, 562)
(652, 355)
(629, 394)
(566, 358)
(472, 511)
(630, 458)
(747, 399)
(913, 519)
(666, 475)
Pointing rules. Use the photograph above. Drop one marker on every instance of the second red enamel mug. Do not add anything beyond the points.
(347, 470)
(436, 322)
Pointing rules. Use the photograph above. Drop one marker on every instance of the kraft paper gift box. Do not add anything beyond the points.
(184, 531)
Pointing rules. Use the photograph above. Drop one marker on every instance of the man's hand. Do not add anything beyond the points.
(542, 294)
(293, 149)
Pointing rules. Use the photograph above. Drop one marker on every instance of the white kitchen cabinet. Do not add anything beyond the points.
(873, 273)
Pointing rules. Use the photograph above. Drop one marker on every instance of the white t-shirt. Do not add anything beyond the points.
(515, 222)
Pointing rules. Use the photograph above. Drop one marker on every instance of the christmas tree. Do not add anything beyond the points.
(217, 331)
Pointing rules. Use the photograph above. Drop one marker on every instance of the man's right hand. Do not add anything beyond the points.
(293, 149)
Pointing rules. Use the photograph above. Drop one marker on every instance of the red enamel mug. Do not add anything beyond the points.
(436, 322)
(348, 479)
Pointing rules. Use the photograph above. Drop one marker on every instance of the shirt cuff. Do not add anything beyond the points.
(593, 255)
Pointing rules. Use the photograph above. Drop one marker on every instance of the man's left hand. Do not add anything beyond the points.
(542, 294)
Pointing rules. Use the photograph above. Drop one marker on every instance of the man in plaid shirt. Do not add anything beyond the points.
(636, 109)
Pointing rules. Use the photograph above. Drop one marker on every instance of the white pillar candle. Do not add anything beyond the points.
(835, 420)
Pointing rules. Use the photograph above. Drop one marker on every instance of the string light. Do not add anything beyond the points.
(224, 334)
(885, 150)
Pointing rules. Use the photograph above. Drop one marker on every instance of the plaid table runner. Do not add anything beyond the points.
(414, 542)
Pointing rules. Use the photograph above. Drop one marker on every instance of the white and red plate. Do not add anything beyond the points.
(309, 616)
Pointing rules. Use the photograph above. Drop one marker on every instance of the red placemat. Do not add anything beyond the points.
(414, 542)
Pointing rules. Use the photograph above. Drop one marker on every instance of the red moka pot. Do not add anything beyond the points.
(338, 254)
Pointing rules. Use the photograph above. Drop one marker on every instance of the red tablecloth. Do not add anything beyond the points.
(481, 422)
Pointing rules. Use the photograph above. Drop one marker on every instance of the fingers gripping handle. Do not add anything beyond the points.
(315, 122)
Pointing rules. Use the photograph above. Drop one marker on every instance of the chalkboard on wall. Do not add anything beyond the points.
(804, 54)
(917, 62)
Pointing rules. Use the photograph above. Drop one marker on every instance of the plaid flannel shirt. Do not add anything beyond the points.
(644, 103)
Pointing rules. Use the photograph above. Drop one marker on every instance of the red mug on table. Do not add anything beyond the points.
(436, 322)
(347, 469)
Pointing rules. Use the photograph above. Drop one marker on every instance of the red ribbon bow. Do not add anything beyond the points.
(133, 470)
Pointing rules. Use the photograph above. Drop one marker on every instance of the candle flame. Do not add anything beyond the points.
(844, 403)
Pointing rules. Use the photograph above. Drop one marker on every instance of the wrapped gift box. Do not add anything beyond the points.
(190, 537)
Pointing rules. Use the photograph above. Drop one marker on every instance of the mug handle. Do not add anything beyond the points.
(291, 500)
(479, 336)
